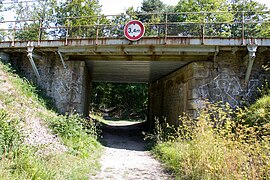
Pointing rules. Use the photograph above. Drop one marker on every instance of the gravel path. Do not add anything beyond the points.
(125, 156)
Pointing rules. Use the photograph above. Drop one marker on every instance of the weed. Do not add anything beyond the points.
(22, 161)
(10, 135)
(219, 144)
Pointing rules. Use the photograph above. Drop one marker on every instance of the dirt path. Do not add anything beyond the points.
(125, 156)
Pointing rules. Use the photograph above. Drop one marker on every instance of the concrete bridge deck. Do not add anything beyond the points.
(120, 60)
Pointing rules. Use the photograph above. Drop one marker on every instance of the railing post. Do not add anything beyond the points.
(166, 27)
(97, 29)
(40, 32)
(202, 28)
(14, 34)
(67, 33)
(243, 27)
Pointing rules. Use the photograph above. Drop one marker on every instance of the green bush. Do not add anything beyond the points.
(259, 114)
(219, 144)
(21, 161)
(72, 126)
(78, 133)
(10, 134)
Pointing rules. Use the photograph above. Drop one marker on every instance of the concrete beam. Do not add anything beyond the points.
(63, 58)
(180, 41)
(30, 49)
(252, 48)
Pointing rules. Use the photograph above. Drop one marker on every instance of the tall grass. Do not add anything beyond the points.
(220, 144)
(21, 161)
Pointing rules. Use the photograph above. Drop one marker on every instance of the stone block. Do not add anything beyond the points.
(193, 94)
(201, 73)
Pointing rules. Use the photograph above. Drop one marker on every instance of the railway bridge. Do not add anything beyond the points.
(182, 71)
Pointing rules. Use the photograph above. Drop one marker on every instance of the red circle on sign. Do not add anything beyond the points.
(134, 30)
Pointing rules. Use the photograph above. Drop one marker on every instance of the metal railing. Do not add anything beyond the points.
(242, 24)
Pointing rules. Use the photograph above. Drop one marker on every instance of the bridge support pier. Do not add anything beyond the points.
(220, 80)
(174, 94)
(69, 87)
(72, 90)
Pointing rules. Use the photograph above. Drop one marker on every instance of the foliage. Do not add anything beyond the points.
(10, 135)
(258, 116)
(162, 132)
(130, 97)
(71, 126)
(152, 6)
(67, 13)
(202, 16)
(252, 7)
(26, 162)
(38, 15)
(79, 19)
(219, 144)
(78, 133)
(60, 19)
(152, 21)
(114, 27)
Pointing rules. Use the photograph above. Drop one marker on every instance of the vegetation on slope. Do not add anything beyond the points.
(23, 158)
(219, 144)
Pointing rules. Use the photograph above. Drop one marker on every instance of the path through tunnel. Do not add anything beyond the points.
(122, 110)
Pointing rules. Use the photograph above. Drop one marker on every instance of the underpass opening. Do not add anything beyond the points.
(134, 74)
(122, 109)
(120, 101)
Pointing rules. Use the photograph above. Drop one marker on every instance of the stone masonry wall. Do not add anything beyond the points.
(168, 96)
(216, 80)
(68, 88)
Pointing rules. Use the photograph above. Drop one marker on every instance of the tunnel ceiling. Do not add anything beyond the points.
(137, 63)
(131, 71)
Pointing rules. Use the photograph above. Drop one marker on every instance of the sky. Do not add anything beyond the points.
(112, 7)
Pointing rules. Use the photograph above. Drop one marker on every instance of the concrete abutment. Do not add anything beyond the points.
(69, 88)
(221, 79)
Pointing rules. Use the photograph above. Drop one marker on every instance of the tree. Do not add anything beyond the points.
(54, 19)
(33, 18)
(220, 18)
(80, 16)
(155, 20)
(152, 6)
(251, 17)
(130, 98)
(200, 17)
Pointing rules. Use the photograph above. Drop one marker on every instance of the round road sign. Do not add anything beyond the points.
(134, 30)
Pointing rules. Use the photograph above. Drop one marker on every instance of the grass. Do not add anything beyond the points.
(219, 144)
(23, 102)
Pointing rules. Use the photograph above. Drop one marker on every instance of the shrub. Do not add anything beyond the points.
(258, 115)
(72, 126)
(21, 161)
(219, 144)
(78, 133)
(10, 135)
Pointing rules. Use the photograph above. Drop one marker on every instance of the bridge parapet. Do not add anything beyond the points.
(240, 24)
